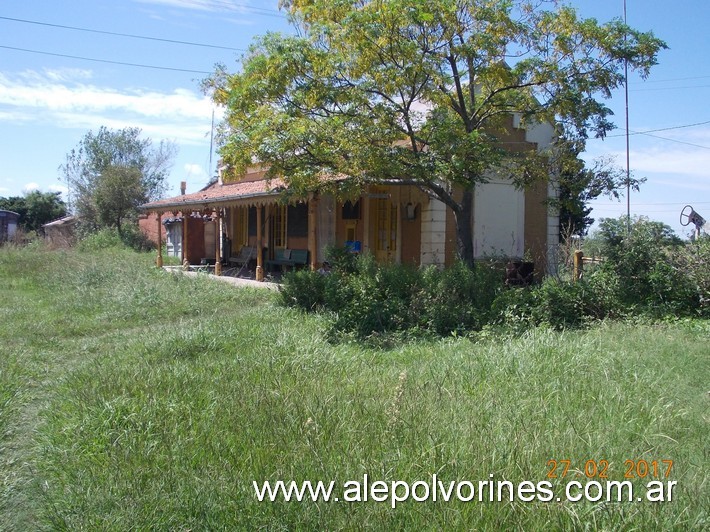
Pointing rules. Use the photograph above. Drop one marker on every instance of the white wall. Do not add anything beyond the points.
(433, 244)
(498, 220)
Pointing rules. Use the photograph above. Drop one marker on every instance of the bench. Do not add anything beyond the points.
(288, 257)
(246, 254)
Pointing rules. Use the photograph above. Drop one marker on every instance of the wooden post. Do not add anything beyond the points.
(183, 246)
(218, 242)
(159, 259)
(312, 231)
(578, 265)
(365, 220)
(259, 246)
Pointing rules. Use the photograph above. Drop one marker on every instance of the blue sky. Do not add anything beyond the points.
(49, 102)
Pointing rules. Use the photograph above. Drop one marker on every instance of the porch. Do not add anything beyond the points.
(259, 236)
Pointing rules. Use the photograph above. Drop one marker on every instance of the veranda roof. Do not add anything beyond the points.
(246, 193)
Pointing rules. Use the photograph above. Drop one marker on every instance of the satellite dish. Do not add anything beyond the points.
(688, 216)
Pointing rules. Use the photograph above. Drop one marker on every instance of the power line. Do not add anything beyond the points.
(672, 88)
(663, 129)
(649, 134)
(674, 79)
(118, 34)
(105, 60)
(675, 140)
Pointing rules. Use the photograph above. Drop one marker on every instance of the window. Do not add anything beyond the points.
(278, 226)
(240, 227)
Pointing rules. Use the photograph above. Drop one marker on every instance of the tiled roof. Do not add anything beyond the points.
(217, 193)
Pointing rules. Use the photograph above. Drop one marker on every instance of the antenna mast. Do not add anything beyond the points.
(628, 164)
(212, 138)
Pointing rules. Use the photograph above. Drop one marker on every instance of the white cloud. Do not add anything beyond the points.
(204, 5)
(59, 188)
(30, 187)
(194, 171)
(181, 114)
(649, 156)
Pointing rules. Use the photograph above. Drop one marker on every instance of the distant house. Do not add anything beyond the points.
(61, 232)
(392, 221)
(8, 225)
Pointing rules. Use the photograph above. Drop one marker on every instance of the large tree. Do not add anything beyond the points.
(421, 91)
(111, 172)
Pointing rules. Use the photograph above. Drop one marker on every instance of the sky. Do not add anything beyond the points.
(73, 66)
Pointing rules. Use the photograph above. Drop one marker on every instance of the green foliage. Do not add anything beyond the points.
(110, 238)
(305, 289)
(647, 273)
(35, 208)
(643, 260)
(119, 191)
(694, 261)
(579, 184)
(341, 259)
(112, 171)
(344, 96)
(457, 299)
(367, 299)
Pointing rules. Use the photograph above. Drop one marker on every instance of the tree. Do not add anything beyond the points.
(420, 91)
(579, 184)
(35, 208)
(119, 191)
(104, 163)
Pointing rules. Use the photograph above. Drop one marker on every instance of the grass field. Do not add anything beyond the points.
(135, 399)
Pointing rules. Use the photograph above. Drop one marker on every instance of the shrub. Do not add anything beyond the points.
(646, 263)
(693, 261)
(375, 299)
(368, 299)
(109, 238)
(100, 240)
(458, 298)
(305, 289)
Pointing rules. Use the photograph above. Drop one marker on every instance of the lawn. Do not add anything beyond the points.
(136, 399)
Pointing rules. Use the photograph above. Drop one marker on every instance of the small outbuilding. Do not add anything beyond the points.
(61, 232)
(8, 225)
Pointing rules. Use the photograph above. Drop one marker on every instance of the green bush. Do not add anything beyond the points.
(652, 279)
(560, 304)
(305, 289)
(694, 261)
(648, 272)
(109, 238)
(456, 299)
(101, 240)
(366, 299)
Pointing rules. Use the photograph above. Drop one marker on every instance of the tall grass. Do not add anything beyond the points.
(159, 400)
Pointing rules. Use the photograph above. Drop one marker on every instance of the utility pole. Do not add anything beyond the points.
(628, 163)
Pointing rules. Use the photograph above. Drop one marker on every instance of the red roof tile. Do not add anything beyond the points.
(218, 194)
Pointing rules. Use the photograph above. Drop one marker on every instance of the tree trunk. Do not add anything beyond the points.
(464, 228)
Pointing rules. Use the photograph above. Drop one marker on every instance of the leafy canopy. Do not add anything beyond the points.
(422, 90)
(35, 208)
(111, 172)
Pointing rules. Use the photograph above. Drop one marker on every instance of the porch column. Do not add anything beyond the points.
(183, 246)
(259, 246)
(159, 259)
(218, 242)
(366, 219)
(312, 231)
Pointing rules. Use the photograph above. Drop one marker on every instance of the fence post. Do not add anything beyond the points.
(578, 264)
